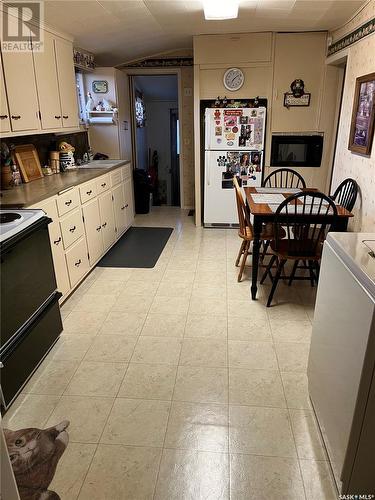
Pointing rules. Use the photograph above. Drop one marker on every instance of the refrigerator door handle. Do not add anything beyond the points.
(207, 168)
(207, 129)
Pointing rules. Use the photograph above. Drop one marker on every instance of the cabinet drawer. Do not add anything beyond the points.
(103, 184)
(77, 261)
(116, 177)
(67, 201)
(126, 172)
(71, 228)
(87, 191)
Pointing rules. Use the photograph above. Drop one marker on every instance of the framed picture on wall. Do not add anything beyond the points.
(100, 86)
(363, 116)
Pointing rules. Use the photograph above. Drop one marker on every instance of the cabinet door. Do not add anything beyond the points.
(107, 219)
(93, 230)
(119, 209)
(21, 89)
(58, 255)
(57, 247)
(128, 194)
(47, 84)
(4, 112)
(67, 82)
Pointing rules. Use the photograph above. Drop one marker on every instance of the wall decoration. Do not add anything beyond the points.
(34, 455)
(290, 101)
(364, 30)
(363, 115)
(83, 60)
(140, 112)
(166, 62)
(100, 86)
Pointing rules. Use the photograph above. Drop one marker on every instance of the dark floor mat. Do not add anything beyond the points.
(139, 247)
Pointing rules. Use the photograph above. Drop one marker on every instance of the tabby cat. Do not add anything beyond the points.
(34, 454)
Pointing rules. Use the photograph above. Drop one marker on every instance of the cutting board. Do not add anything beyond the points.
(27, 159)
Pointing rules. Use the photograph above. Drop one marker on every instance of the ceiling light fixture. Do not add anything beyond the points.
(215, 10)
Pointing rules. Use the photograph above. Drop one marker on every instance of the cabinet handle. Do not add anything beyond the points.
(89, 192)
(57, 117)
(65, 117)
(56, 242)
(72, 229)
(123, 208)
(104, 224)
(16, 117)
(78, 263)
(3, 117)
(104, 184)
(126, 206)
(98, 228)
(69, 202)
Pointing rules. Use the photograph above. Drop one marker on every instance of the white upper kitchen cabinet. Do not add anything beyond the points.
(67, 82)
(21, 89)
(47, 84)
(4, 112)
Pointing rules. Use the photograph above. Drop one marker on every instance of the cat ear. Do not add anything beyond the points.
(62, 425)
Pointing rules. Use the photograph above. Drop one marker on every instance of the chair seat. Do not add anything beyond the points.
(267, 233)
(297, 250)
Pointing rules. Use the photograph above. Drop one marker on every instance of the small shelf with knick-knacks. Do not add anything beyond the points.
(103, 112)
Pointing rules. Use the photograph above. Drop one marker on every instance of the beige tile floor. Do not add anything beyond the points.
(177, 385)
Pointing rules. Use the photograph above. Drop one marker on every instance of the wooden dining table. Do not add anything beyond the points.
(263, 213)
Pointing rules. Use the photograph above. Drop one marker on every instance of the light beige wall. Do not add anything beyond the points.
(360, 61)
(270, 62)
(103, 137)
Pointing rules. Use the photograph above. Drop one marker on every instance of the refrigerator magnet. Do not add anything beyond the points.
(235, 130)
(218, 130)
(230, 137)
(218, 122)
(218, 140)
(227, 130)
(230, 143)
(244, 120)
(255, 157)
(241, 141)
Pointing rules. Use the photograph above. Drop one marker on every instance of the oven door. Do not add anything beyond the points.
(27, 277)
(20, 359)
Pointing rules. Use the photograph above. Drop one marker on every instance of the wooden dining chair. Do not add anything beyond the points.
(245, 231)
(346, 194)
(306, 222)
(284, 178)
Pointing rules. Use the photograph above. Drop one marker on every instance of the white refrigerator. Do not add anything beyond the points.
(234, 146)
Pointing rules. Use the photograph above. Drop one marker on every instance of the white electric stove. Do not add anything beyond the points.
(15, 221)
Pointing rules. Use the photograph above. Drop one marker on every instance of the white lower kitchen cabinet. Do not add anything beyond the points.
(107, 219)
(129, 204)
(119, 209)
(86, 221)
(57, 247)
(77, 261)
(93, 229)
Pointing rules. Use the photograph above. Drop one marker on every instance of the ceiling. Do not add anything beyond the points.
(121, 31)
(158, 88)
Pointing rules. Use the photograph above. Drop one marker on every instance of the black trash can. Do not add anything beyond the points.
(142, 190)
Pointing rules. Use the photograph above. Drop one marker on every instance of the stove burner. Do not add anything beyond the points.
(7, 217)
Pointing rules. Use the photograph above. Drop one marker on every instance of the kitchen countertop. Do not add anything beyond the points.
(32, 192)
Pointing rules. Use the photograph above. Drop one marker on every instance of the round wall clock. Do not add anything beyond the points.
(233, 79)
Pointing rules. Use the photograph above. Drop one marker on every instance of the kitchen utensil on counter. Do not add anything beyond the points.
(27, 159)
(54, 161)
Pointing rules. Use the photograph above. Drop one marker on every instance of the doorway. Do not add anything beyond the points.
(156, 147)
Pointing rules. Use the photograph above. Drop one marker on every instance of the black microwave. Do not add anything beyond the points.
(296, 150)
